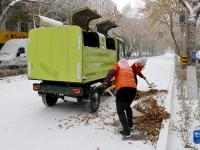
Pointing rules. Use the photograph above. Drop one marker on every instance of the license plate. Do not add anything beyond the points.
(70, 99)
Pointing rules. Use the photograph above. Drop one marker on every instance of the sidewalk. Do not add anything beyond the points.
(185, 110)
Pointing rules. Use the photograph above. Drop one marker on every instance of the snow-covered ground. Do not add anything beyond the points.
(185, 110)
(25, 123)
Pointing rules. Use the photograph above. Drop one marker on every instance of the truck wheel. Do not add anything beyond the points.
(94, 101)
(49, 99)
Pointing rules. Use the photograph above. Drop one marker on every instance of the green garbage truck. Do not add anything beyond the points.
(72, 61)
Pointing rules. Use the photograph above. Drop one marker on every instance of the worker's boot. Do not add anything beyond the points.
(130, 123)
(125, 133)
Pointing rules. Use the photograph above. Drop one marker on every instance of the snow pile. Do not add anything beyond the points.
(6, 72)
(13, 79)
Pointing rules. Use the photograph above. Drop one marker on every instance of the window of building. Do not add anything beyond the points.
(24, 27)
(11, 26)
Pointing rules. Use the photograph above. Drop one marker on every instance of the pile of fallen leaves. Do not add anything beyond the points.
(149, 93)
(6, 72)
(151, 122)
(100, 117)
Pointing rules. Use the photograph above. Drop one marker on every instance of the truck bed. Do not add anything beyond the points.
(58, 54)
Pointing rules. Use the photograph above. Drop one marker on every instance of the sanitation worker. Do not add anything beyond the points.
(137, 68)
(126, 91)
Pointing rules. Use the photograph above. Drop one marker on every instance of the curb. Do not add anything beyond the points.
(163, 136)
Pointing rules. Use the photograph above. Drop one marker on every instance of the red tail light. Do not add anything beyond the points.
(76, 91)
(36, 87)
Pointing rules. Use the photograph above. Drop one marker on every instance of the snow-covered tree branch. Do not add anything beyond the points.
(187, 5)
(10, 5)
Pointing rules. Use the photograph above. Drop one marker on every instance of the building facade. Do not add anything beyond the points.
(101, 6)
(19, 26)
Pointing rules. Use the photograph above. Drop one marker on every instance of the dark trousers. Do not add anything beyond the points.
(124, 98)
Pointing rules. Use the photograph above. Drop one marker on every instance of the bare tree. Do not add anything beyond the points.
(162, 11)
(9, 6)
(63, 8)
(140, 37)
(193, 7)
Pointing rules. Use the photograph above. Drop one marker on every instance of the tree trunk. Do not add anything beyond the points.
(173, 36)
(191, 37)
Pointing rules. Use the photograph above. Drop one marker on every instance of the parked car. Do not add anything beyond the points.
(13, 53)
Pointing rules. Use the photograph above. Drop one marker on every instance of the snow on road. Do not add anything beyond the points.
(25, 123)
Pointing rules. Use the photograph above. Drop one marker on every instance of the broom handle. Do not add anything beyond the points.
(109, 90)
(148, 83)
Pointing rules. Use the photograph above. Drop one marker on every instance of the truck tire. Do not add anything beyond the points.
(49, 99)
(94, 101)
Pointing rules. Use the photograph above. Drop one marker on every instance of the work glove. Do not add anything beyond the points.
(105, 85)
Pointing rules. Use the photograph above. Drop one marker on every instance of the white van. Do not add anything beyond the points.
(13, 53)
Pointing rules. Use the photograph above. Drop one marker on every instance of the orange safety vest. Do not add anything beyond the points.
(124, 77)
